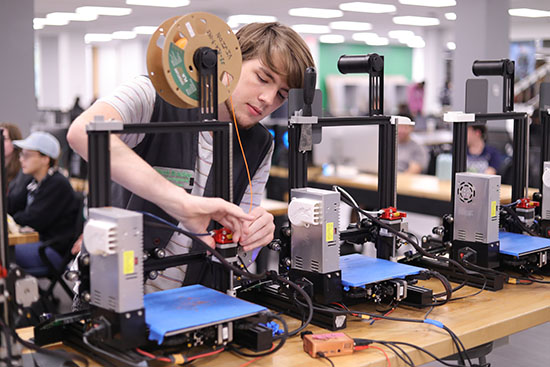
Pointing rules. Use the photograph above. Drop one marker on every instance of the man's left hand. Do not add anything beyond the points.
(260, 230)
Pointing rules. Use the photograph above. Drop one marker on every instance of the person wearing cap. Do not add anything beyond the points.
(48, 204)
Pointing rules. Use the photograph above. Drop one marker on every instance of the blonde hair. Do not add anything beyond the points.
(279, 48)
(13, 166)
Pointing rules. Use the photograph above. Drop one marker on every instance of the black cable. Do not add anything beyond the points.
(104, 352)
(402, 235)
(322, 355)
(213, 251)
(69, 357)
(272, 275)
(518, 221)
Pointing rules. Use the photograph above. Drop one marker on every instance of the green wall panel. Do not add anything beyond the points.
(397, 60)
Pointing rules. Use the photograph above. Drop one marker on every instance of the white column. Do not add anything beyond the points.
(17, 97)
(74, 68)
(481, 32)
(48, 73)
(434, 69)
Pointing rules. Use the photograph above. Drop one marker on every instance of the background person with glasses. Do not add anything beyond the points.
(48, 203)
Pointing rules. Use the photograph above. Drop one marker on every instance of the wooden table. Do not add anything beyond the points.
(416, 193)
(275, 207)
(19, 238)
(476, 320)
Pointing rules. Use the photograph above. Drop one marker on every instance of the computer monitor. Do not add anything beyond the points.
(355, 146)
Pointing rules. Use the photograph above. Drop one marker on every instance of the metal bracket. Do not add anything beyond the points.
(459, 116)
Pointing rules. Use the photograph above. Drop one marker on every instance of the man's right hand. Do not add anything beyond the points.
(196, 212)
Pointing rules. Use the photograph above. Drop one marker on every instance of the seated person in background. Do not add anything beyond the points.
(11, 153)
(481, 157)
(48, 203)
(411, 156)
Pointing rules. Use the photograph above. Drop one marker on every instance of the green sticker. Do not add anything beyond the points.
(180, 177)
(179, 73)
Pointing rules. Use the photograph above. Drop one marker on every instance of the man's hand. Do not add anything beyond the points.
(77, 245)
(260, 230)
(195, 213)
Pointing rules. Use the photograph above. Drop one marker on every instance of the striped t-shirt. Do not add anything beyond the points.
(135, 101)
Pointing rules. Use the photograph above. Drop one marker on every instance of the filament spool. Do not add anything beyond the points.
(170, 57)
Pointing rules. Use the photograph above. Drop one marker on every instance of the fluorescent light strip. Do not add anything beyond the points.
(72, 16)
(316, 13)
(416, 21)
(248, 18)
(103, 10)
(364, 36)
(380, 41)
(123, 35)
(311, 28)
(528, 13)
(145, 29)
(350, 26)
(97, 37)
(450, 16)
(363, 7)
(46, 21)
(416, 42)
(331, 38)
(430, 3)
(402, 35)
(159, 3)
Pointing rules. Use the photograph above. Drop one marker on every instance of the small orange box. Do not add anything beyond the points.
(331, 344)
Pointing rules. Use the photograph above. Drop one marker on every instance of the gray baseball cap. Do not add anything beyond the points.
(42, 142)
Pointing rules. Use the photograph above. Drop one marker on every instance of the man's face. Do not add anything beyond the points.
(32, 161)
(259, 92)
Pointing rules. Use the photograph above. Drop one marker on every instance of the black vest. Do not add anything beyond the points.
(179, 151)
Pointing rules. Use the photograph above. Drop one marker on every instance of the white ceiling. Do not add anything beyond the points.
(382, 23)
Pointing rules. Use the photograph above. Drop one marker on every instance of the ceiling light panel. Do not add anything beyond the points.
(416, 42)
(52, 21)
(97, 37)
(72, 16)
(145, 29)
(528, 13)
(350, 26)
(311, 28)
(450, 16)
(104, 10)
(316, 13)
(380, 41)
(364, 36)
(363, 7)
(430, 3)
(159, 3)
(416, 21)
(402, 35)
(331, 38)
(236, 20)
(123, 35)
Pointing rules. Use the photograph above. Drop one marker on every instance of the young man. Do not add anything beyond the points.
(482, 158)
(48, 203)
(274, 60)
(411, 157)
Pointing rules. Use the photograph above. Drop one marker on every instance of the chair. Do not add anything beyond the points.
(56, 264)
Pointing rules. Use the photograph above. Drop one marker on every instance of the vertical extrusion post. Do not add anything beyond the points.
(545, 148)
(519, 184)
(99, 161)
(387, 148)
